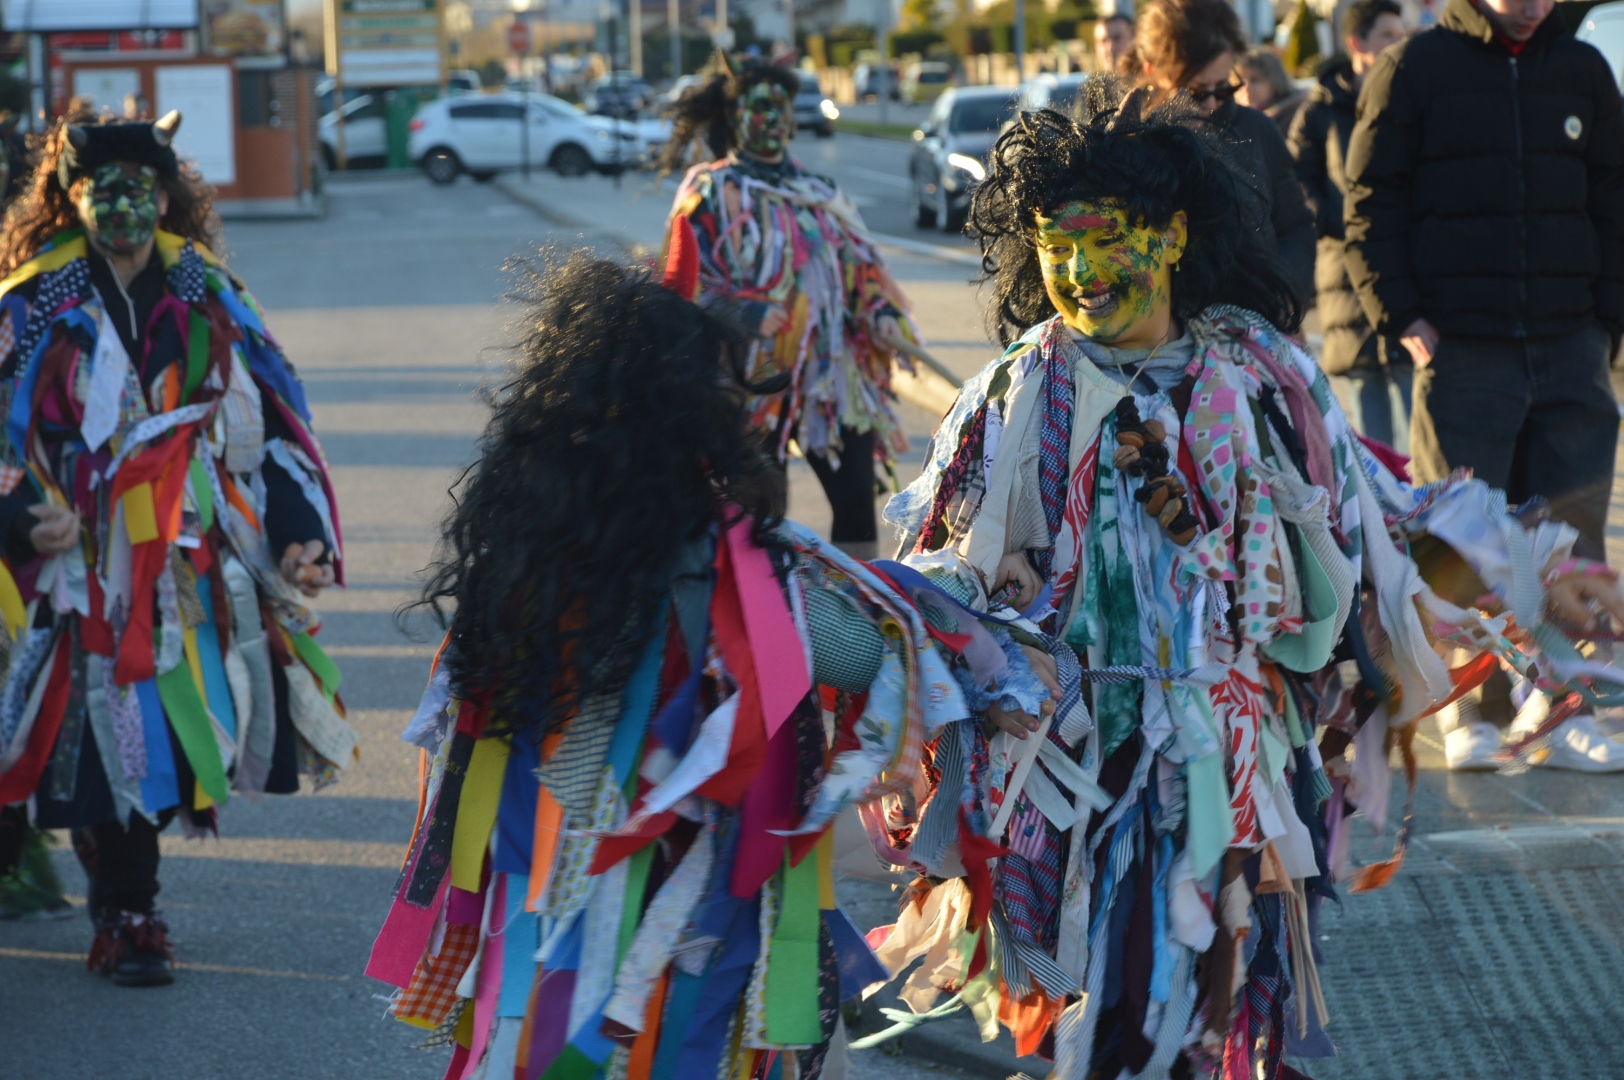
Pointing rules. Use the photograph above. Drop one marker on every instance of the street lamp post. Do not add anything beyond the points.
(1020, 41)
(673, 14)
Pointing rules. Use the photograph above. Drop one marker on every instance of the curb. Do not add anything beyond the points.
(632, 249)
(936, 251)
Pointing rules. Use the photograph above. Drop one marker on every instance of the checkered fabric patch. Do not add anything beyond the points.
(10, 477)
(8, 334)
(186, 279)
(433, 989)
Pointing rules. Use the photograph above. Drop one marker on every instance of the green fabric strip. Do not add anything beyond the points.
(197, 355)
(203, 493)
(325, 671)
(190, 719)
(571, 1064)
(631, 911)
(792, 960)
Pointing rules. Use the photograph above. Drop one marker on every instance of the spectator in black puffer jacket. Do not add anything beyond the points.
(1485, 229)
(1371, 374)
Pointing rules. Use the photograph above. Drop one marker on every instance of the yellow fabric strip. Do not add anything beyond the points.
(11, 603)
(54, 259)
(169, 248)
(824, 852)
(476, 812)
(200, 798)
(140, 514)
(194, 662)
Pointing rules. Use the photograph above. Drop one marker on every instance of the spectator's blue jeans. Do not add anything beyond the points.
(1377, 401)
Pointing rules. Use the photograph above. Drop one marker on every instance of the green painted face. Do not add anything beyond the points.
(766, 121)
(119, 206)
(1110, 279)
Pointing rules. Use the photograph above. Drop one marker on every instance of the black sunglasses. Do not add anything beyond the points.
(1221, 92)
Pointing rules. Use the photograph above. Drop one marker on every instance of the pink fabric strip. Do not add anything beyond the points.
(489, 986)
(781, 676)
(401, 942)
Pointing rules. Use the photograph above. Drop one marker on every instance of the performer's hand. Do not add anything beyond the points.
(299, 566)
(776, 319)
(57, 531)
(1420, 340)
(887, 329)
(1044, 667)
(1015, 567)
(1573, 594)
(1017, 723)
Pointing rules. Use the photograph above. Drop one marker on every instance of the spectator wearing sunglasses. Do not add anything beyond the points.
(1184, 52)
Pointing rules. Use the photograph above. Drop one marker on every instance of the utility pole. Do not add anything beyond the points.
(1020, 41)
(882, 40)
(673, 16)
(721, 25)
(634, 28)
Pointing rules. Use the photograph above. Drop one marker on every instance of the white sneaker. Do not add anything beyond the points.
(1580, 744)
(1533, 713)
(1471, 747)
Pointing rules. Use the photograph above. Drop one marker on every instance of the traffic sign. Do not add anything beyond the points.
(518, 37)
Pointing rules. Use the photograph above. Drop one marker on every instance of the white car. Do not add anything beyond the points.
(366, 137)
(1603, 27)
(482, 135)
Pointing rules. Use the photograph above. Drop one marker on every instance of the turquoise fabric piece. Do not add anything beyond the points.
(521, 938)
(1309, 650)
(1210, 822)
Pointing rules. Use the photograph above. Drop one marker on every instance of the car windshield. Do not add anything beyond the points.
(558, 106)
(932, 76)
(809, 85)
(980, 114)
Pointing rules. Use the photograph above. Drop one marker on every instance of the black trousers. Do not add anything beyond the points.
(1532, 417)
(121, 862)
(850, 488)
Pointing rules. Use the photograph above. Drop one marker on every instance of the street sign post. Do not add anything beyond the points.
(518, 43)
(518, 37)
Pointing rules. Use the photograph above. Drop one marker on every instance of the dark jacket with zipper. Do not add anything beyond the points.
(1319, 145)
(1486, 186)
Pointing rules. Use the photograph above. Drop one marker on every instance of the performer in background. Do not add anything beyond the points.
(793, 249)
(165, 511)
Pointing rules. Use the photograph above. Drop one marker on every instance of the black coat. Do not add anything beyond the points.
(1486, 190)
(1319, 145)
(1258, 154)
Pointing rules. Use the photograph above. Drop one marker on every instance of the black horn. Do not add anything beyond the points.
(78, 137)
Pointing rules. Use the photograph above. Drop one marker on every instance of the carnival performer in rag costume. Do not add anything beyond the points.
(793, 250)
(1233, 589)
(165, 512)
(624, 849)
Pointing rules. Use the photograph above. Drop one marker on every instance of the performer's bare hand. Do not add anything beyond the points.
(1044, 667)
(1573, 594)
(1420, 340)
(299, 566)
(1015, 567)
(776, 319)
(887, 329)
(57, 531)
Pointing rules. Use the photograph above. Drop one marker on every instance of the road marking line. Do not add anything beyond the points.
(875, 174)
(356, 854)
(218, 969)
(382, 652)
(919, 247)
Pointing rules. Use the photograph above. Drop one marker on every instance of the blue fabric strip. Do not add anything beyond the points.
(637, 702)
(520, 938)
(909, 578)
(215, 686)
(159, 788)
(858, 965)
(707, 1030)
(516, 812)
(686, 991)
(1161, 969)
(675, 723)
(22, 400)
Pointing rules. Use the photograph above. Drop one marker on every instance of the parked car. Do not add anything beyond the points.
(1048, 91)
(866, 79)
(950, 153)
(813, 109)
(366, 135)
(462, 81)
(1603, 27)
(622, 94)
(482, 136)
(925, 80)
(675, 90)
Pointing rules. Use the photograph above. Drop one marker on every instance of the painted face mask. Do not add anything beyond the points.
(765, 116)
(119, 206)
(1109, 278)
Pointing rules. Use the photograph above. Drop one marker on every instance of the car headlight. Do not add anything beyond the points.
(827, 108)
(968, 164)
(602, 136)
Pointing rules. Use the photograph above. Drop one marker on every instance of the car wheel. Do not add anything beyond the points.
(441, 165)
(946, 219)
(484, 176)
(924, 214)
(571, 160)
(826, 131)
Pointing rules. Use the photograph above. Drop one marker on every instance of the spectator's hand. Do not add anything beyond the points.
(1421, 341)
(299, 566)
(776, 319)
(57, 531)
(1572, 596)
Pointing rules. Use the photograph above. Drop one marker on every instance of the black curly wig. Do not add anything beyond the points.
(1155, 166)
(621, 435)
(704, 118)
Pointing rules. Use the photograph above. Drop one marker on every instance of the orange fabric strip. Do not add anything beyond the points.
(641, 1059)
(549, 827)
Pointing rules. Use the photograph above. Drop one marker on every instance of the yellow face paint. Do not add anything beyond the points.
(1110, 278)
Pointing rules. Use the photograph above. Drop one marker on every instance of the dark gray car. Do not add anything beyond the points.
(813, 109)
(950, 153)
